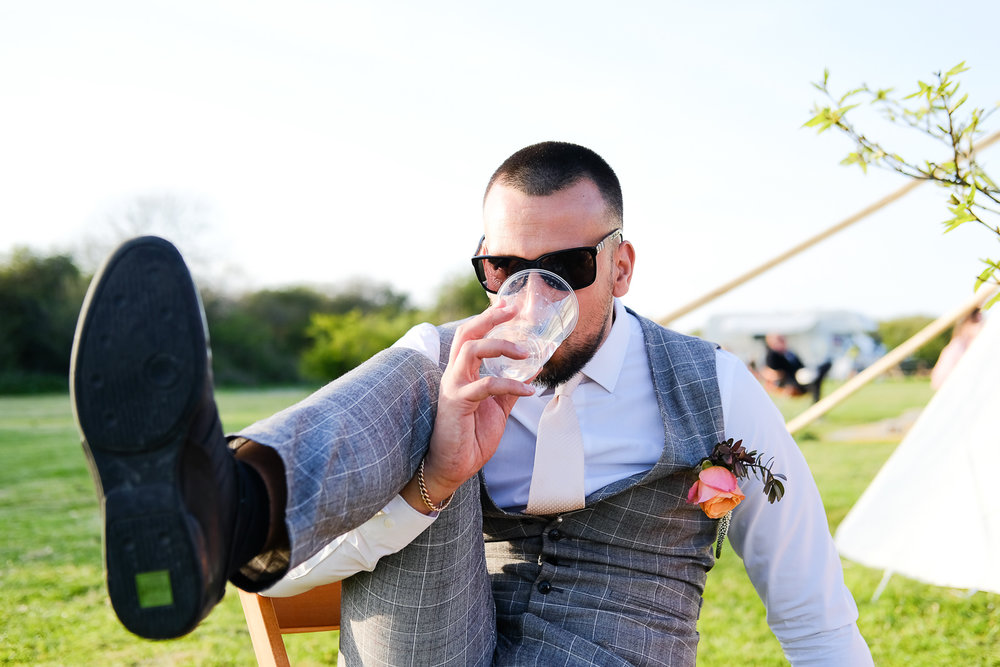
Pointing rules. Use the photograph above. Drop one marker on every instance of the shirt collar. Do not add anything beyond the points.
(605, 366)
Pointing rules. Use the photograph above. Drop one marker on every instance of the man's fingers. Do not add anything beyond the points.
(470, 357)
(479, 326)
(501, 388)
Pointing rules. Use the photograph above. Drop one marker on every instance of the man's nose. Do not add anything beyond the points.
(536, 293)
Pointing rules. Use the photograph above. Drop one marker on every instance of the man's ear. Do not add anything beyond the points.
(624, 262)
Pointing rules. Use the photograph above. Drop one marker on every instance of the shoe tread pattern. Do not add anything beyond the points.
(138, 354)
(139, 366)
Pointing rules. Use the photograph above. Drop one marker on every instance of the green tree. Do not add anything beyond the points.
(183, 218)
(243, 347)
(457, 298)
(344, 341)
(40, 298)
(367, 297)
(261, 337)
(936, 110)
(896, 331)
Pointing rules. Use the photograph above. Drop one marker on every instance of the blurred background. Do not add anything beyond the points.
(330, 151)
(321, 165)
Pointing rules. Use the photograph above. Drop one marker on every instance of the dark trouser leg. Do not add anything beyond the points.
(817, 385)
(430, 603)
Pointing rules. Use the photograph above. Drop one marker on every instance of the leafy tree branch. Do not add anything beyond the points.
(939, 111)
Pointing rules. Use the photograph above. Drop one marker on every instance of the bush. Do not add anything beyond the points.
(40, 298)
(342, 342)
(267, 337)
(895, 332)
(261, 337)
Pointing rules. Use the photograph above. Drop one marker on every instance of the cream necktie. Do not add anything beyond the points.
(557, 475)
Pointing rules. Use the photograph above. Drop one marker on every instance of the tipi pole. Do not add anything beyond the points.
(804, 245)
(886, 576)
(788, 254)
(890, 360)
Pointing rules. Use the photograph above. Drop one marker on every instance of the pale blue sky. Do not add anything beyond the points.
(329, 140)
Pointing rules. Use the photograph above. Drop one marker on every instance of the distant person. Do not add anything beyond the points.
(786, 371)
(961, 337)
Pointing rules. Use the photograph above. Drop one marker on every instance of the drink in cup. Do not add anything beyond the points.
(547, 311)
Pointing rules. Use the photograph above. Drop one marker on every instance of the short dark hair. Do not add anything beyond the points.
(542, 169)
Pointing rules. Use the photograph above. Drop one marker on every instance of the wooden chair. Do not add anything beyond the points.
(316, 610)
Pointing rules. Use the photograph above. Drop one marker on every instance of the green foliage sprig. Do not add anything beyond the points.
(937, 110)
(735, 458)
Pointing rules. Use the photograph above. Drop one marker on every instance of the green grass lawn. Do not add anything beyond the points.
(55, 610)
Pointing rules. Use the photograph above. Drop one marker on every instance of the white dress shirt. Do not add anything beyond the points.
(786, 546)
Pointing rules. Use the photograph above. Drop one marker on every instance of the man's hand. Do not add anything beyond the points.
(472, 410)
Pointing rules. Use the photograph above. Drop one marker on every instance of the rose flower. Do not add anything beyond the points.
(716, 491)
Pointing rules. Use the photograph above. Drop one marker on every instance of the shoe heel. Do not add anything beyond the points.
(155, 580)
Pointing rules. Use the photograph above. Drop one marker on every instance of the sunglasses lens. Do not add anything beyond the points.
(557, 285)
(517, 284)
(493, 271)
(576, 267)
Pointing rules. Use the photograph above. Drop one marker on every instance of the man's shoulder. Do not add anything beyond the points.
(657, 333)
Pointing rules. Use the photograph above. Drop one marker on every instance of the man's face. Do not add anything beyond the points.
(777, 343)
(525, 226)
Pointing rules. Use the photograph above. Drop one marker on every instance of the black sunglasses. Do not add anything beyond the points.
(577, 266)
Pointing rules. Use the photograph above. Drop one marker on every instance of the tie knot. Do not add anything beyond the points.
(569, 386)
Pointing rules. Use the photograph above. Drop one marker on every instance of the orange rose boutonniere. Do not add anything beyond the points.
(717, 489)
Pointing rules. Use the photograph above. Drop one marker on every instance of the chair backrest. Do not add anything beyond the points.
(316, 610)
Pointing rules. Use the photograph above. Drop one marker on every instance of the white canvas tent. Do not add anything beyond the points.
(931, 512)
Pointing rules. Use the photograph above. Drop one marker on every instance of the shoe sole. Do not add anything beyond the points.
(138, 370)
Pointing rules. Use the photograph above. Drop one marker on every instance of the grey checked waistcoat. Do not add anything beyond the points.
(626, 573)
(618, 582)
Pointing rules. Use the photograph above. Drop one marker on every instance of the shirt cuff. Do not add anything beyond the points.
(391, 529)
(842, 646)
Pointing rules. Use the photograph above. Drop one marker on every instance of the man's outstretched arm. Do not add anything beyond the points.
(786, 546)
(468, 418)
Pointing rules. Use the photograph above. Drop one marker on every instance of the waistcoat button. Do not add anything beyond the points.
(544, 587)
(555, 535)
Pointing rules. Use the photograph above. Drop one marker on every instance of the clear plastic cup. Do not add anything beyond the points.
(547, 312)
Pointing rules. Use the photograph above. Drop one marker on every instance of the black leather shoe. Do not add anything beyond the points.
(141, 386)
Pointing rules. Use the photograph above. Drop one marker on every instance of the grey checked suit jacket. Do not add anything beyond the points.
(618, 582)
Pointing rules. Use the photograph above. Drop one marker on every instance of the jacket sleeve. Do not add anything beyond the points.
(358, 550)
(391, 529)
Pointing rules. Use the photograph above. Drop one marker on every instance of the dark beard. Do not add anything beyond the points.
(576, 357)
